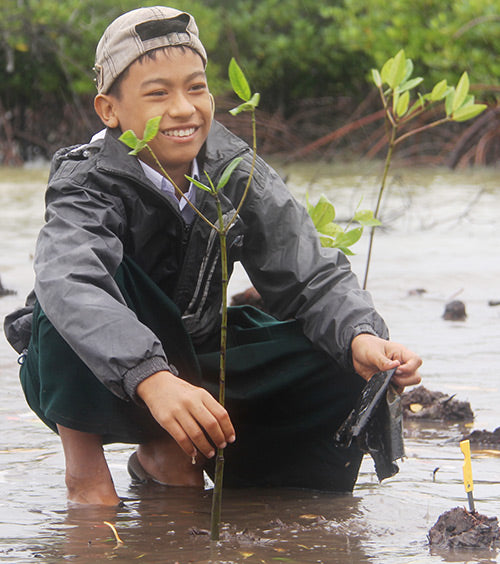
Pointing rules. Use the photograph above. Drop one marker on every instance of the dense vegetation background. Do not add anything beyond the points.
(310, 60)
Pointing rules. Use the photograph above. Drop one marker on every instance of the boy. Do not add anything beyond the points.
(122, 330)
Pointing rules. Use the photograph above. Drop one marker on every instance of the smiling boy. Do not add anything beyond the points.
(119, 340)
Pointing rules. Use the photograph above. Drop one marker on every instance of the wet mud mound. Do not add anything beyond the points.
(458, 528)
(421, 403)
(484, 438)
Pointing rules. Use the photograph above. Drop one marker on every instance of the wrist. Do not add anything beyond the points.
(149, 386)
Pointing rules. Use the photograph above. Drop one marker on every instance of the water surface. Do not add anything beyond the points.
(441, 233)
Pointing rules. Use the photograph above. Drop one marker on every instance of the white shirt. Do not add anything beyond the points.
(165, 185)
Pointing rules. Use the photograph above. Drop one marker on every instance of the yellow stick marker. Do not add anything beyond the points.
(467, 468)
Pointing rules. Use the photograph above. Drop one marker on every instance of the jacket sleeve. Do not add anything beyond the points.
(78, 251)
(297, 277)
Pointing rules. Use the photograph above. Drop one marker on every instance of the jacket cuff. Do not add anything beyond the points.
(136, 375)
(359, 330)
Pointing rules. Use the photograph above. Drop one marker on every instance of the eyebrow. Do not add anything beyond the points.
(168, 82)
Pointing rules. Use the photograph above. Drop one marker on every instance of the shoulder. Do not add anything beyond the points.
(223, 146)
(101, 159)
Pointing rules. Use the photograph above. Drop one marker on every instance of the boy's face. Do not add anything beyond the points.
(173, 86)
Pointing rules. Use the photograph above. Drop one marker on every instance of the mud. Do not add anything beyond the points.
(421, 403)
(455, 311)
(459, 528)
(484, 438)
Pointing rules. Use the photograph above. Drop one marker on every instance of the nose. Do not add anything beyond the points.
(180, 106)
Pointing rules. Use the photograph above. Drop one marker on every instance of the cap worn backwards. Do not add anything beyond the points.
(137, 32)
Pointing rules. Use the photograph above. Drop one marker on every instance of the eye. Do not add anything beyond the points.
(157, 93)
(198, 87)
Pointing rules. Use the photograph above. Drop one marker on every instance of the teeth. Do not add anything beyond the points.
(179, 132)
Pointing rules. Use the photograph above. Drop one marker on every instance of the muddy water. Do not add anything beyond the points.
(441, 234)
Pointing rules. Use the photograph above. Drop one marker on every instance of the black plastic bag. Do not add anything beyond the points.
(376, 425)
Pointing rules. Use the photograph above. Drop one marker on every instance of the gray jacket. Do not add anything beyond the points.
(100, 206)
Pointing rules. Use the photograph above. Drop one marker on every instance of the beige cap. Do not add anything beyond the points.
(137, 32)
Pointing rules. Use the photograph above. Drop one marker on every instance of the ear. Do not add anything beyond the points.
(104, 106)
(212, 103)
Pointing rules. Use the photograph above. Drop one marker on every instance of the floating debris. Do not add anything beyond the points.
(421, 403)
(417, 292)
(459, 528)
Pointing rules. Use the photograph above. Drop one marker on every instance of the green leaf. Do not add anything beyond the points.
(200, 185)
(327, 242)
(226, 175)
(395, 100)
(395, 71)
(330, 229)
(239, 82)
(346, 251)
(323, 212)
(439, 91)
(129, 138)
(386, 70)
(461, 92)
(151, 129)
(366, 218)
(408, 69)
(409, 84)
(141, 144)
(213, 189)
(469, 100)
(349, 238)
(377, 79)
(468, 112)
(448, 104)
(418, 104)
(402, 105)
(246, 106)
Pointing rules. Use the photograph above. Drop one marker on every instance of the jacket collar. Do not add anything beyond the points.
(220, 148)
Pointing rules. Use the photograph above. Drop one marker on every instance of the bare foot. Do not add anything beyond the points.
(167, 463)
(97, 490)
(88, 478)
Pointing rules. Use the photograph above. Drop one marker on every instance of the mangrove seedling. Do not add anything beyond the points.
(394, 83)
(241, 87)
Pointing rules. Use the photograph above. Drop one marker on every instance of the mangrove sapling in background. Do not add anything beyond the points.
(395, 76)
(331, 234)
(241, 87)
(394, 83)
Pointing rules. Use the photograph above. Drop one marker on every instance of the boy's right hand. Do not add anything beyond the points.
(187, 412)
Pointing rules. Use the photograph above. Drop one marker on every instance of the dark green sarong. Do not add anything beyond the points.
(285, 398)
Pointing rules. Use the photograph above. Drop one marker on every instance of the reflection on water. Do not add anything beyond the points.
(440, 233)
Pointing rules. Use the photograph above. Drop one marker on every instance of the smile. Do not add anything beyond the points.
(179, 132)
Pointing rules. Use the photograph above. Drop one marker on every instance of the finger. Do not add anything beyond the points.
(197, 437)
(177, 432)
(225, 426)
(403, 380)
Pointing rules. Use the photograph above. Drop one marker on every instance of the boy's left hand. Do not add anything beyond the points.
(371, 354)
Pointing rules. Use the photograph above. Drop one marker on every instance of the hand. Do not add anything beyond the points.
(187, 412)
(371, 354)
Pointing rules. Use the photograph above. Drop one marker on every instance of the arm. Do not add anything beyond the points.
(300, 279)
(78, 252)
